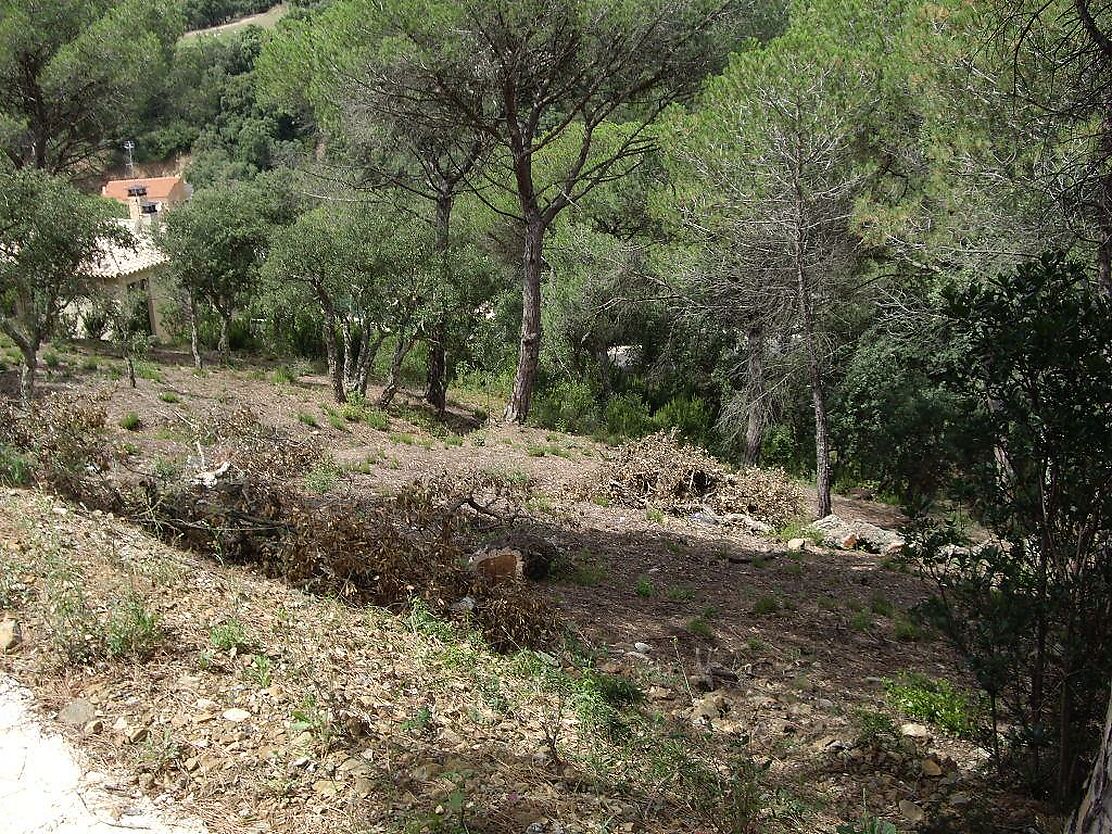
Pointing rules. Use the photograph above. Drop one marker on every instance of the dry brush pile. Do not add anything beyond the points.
(661, 472)
(251, 509)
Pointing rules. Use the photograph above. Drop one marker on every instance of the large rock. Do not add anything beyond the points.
(858, 535)
(499, 564)
(11, 635)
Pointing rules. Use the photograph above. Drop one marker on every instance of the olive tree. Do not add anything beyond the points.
(51, 237)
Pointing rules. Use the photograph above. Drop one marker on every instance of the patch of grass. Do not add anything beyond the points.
(873, 729)
(906, 629)
(543, 449)
(308, 419)
(601, 500)
(284, 375)
(420, 722)
(453, 440)
(148, 370)
(131, 422)
(51, 359)
(89, 364)
(15, 468)
(169, 397)
(259, 671)
(799, 529)
(933, 701)
(584, 570)
(335, 418)
(645, 588)
(403, 438)
(376, 419)
(323, 476)
(229, 635)
(700, 627)
(133, 630)
(880, 605)
(766, 605)
(165, 469)
(655, 515)
(679, 593)
(861, 621)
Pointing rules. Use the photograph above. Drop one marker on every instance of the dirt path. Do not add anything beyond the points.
(44, 788)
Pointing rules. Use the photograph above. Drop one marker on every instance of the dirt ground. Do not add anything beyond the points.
(773, 652)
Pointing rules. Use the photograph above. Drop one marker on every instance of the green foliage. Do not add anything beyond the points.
(766, 605)
(170, 397)
(131, 422)
(74, 77)
(133, 630)
(936, 702)
(16, 469)
(51, 232)
(260, 671)
(645, 588)
(323, 476)
(1028, 608)
(229, 635)
(627, 415)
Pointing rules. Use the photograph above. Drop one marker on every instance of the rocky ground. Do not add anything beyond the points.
(253, 706)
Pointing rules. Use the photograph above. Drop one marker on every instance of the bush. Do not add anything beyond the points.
(569, 407)
(936, 702)
(687, 414)
(1030, 609)
(626, 415)
(131, 422)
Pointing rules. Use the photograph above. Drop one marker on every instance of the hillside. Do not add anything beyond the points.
(701, 664)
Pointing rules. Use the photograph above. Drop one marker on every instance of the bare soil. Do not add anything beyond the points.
(368, 721)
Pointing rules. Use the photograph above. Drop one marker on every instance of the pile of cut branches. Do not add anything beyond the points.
(661, 472)
(249, 509)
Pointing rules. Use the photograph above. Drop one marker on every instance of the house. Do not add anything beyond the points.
(141, 267)
(149, 196)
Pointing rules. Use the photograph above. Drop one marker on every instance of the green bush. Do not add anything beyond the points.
(936, 702)
(626, 415)
(688, 414)
(131, 422)
(1029, 610)
(569, 407)
(16, 469)
(133, 630)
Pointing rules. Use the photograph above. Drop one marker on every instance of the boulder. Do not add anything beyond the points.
(499, 564)
(858, 535)
(11, 635)
(796, 545)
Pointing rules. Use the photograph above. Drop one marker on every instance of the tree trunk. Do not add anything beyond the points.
(517, 409)
(194, 335)
(755, 403)
(348, 358)
(130, 370)
(367, 361)
(436, 377)
(27, 375)
(335, 374)
(1094, 814)
(393, 380)
(436, 369)
(817, 381)
(222, 344)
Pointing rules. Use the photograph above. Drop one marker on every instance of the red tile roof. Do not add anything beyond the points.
(159, 189)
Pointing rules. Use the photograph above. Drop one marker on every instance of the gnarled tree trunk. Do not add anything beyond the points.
(517, 410)
(1094, 815)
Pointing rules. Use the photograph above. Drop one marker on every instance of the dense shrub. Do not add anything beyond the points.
(1030, 610)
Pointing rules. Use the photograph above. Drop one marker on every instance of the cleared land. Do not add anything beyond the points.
(705, 662)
